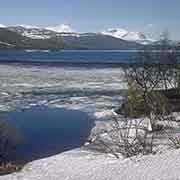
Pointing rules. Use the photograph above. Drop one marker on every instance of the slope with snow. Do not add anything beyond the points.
(32, 32)
(83, 165)
(128, 36)
(35, 32)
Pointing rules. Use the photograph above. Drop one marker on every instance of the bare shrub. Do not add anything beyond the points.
(174, 140)
(172, 132)
(127, 137)
(149, 100)
(140, 104)
(152, 82)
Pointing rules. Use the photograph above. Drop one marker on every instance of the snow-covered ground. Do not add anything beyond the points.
(95, 91)
(84, 165)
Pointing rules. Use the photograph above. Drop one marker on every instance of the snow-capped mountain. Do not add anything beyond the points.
(31, 31)
(35, 32)
(128, 36)
(24, 38)
(64, 37)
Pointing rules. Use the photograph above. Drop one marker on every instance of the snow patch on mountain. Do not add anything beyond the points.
(117, 33)
(2, 26)
(36, 34)
(27, 26)
(60, 28)
(6, 44)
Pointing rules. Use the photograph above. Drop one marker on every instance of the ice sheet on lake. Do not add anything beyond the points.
(87, 89)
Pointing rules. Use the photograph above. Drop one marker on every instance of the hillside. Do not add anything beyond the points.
(16, 38)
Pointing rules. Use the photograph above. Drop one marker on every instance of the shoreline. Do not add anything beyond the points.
(80, 164)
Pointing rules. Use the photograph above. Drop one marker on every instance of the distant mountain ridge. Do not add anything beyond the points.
(64, 37)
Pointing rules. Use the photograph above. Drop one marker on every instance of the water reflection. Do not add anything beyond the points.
(10, 139)
(48, 131)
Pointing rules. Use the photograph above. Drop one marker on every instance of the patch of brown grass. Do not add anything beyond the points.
(9, 168)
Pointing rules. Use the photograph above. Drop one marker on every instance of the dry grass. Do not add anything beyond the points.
(9, 168)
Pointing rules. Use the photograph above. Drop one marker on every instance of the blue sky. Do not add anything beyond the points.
(150, 16)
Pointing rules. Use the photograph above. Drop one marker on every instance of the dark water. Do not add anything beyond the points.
(46, 131)
(68, 57)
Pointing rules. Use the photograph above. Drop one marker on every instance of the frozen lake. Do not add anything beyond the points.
(54, 108)
(87, 89)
